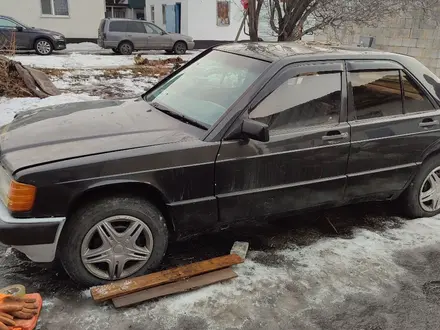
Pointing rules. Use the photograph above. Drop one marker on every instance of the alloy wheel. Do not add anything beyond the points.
(117, 247)
(180, 48)
(429, 196)
(44, 47)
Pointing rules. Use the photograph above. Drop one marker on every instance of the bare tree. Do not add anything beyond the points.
(253, 15)
(291, 19)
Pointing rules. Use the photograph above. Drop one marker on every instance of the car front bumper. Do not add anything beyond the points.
(59, 45)
(191, 45)
(37, 238)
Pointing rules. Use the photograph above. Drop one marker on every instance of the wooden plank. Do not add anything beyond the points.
(123, 287)
(191, 283)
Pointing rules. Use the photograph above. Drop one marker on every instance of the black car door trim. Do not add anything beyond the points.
(385, 169)
(280, 187)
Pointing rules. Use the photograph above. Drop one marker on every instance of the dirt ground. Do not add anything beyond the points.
(359, 267)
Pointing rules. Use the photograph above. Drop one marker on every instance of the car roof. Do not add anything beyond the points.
(126, 19)
(273, 51)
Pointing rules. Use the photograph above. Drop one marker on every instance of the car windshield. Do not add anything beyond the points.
(204, 90)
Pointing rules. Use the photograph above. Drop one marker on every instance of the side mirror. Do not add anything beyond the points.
(19, 29)
(163, 33)
(255, 130)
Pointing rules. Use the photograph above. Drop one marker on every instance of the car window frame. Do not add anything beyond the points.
(155, 26)
(136, 23)
(9, 27)
(372, 65)
(330, 66)
(118, 21)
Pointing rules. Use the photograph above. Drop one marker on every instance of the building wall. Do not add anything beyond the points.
(82, 22)
(199, 19)
(203, 21)
(412, 35)
(158, 18)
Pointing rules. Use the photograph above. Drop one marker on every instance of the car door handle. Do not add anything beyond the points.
(334, 135)
(428, 122)
(129, 35)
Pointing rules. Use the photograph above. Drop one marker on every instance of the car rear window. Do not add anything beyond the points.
(118, 26)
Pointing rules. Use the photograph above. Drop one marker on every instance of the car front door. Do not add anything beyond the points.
(11, 33)
(393, 120)
(304, 162)
(136, 34)
(156, 38)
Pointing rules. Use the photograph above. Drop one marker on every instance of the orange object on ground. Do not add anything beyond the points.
(32, 323)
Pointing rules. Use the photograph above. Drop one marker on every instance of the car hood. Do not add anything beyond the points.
(86, 128)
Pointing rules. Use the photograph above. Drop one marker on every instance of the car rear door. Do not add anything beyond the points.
(136, 34)
(393, 120)
(304, 162)
(117, 32)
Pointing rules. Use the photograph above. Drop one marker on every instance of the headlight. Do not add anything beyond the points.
(57, 37)
(16, 196)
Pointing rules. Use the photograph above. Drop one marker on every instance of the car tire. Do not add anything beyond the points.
(76, 250)
(180, 48)
(116, 50)
(126, 48)
(43, 47)
(416, 197)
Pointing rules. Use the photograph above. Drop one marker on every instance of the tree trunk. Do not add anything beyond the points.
(253, 19)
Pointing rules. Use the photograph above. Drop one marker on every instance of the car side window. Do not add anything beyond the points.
(135, 27)
(7, 23)
(152, 29)
(415, 99)
(118, 26)
(303, 100)
(376, 93)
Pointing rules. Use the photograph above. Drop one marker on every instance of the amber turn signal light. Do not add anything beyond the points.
(21, 197)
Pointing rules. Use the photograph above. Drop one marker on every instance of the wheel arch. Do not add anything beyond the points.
(126, 41)
(138, 189)
(180, 40)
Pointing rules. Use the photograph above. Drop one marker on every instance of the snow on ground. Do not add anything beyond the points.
(82, 61)
(290, 288)
(82, 47)
(9, 107)
(96, 82)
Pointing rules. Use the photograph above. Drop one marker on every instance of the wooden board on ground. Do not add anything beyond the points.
(123, 287)
(191, 283)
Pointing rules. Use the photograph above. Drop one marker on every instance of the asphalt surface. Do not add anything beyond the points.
(360, 267)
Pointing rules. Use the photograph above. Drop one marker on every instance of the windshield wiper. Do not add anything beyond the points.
(178, 115)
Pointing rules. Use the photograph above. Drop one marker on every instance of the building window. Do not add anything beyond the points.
(164, 14)
(119, 13)
(152, 13)
(55, 7)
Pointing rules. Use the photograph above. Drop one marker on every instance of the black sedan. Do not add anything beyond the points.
(241, 132)
(44, 42)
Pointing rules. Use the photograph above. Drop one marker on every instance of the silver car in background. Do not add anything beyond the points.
(124, 36)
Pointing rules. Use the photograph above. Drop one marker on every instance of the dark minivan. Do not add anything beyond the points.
(44, 42)
(241, 132)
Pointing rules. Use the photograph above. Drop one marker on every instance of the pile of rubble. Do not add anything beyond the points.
(17, 80)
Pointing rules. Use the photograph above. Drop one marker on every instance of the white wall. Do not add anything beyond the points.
(158, 13)
(199, 19)
(82, 22)
(203, 21)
